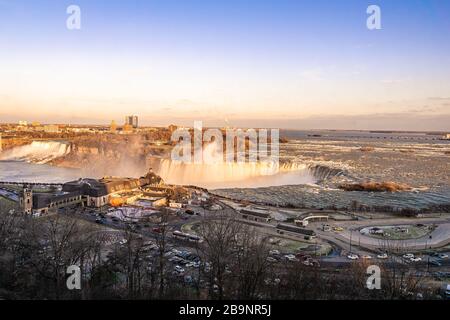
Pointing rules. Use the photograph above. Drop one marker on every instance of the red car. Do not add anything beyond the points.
(158, 230)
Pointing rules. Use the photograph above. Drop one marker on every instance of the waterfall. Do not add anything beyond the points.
(214, 172)
(37, 152)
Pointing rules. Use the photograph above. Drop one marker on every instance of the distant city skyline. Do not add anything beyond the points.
(296, 65)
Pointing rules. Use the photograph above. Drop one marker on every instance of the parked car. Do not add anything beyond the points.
(367, 257)
(190, 265)
(443, 256)
(179, 269)
(274, 252)
(408, 256)
(270, 259)
(382, 256)
(436, 263)
(418, 259)
(353, 257)
(291, 257)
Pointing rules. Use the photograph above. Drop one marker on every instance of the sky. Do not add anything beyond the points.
(280, 63)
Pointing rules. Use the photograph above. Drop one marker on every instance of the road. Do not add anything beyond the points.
(438, 237)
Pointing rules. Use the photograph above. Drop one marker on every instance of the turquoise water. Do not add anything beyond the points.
(16, 171)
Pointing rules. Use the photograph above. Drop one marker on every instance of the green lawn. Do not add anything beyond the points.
(6, 205)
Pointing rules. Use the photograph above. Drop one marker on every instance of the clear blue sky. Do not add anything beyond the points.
(272, 63)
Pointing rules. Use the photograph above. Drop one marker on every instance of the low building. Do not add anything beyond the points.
(255, 215)
(175, 205)
(45, 203)
(85, 192)
(122, 198)
(153, 202)
(283, 228)
(51, 128)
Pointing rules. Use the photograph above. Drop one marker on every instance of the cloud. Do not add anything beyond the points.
(312, 74)
(427, 109)
(393, 81)
(439, 98)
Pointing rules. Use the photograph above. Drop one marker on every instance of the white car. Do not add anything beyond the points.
(443, 256)
(415, 259)
(274, 252)
(382, 256)
(270, 259)
(291, 257)
(353, 257)
(179, 269)
(408, 256)
(367, 257)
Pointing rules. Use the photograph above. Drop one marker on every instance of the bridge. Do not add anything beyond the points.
(30, 183)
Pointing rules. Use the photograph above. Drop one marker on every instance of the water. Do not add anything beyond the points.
(244, 175)
(215, 172)
(37, 152)
(20, 171)
(28, 164)
(355, 135)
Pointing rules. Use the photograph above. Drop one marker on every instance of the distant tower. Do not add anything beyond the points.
(135, 123)
(132, 121)
(113, 127)
(26, 200)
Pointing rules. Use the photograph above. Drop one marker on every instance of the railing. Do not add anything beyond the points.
(30, 183)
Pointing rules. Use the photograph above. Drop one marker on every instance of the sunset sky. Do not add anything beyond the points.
(289, 64)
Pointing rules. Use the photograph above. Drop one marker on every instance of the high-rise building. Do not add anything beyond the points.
(132, 121)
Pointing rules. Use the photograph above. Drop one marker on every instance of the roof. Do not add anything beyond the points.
(255, 212)
(295, 229)
(43, 200)
(102, 187)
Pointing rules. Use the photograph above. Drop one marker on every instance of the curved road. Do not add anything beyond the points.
(439, 237)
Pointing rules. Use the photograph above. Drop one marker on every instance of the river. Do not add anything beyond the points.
(20, 171)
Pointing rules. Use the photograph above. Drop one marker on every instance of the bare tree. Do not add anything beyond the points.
(219, 245)
(161, 243)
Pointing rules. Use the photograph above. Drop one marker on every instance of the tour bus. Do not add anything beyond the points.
(186, 236)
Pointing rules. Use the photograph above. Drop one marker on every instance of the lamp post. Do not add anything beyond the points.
(351, 231)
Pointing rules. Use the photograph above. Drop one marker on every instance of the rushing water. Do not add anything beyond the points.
(19, 171)
(37, 152)
(244, 175)
(27, 163)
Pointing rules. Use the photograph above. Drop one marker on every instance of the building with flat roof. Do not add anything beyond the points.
(255, 215)
(132, 121)
(84, 192)
(282, 228)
